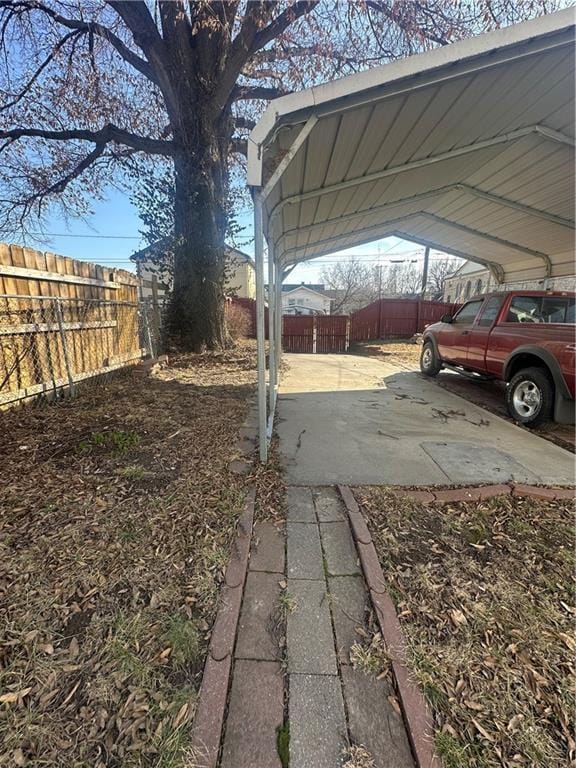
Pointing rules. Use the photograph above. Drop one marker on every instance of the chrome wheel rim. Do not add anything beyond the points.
(427, 357)
(527, 399)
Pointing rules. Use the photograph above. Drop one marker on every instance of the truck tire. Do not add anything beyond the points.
(430, 365)
(530, 397)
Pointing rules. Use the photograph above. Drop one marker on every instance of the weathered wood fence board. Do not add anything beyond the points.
(62, 320)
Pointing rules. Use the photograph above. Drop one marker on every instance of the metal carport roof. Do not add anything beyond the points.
(467, 148)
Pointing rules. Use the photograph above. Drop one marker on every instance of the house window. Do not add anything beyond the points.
(478, 287)
(291, 302)
(468, 289)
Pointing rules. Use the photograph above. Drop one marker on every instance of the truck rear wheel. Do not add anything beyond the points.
(530, 397)
(430, 365)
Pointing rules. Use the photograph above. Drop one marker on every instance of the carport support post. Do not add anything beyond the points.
(271, 337)
(260, 333)
(278, 330)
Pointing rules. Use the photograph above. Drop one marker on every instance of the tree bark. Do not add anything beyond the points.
(196, 313)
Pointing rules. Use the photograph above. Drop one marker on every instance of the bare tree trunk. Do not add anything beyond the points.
(196, 315)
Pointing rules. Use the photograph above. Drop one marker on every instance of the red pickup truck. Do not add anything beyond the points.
(525, 338)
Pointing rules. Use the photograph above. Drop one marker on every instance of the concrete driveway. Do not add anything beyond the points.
(354, 420)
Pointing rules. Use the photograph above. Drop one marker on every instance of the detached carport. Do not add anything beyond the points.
(467, 149)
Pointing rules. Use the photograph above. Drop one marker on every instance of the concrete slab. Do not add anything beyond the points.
(300, 505)
(355, 420)
(349, 602)
(309, 629)
(318, 733)
(304, 551)
(477, 462)
(255, 640)
(373, 722)
(329, 505)
(268, 548)
(255, 713)
(339, 549)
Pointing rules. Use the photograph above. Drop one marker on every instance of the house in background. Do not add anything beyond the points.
(304, 299)
(472, 279)
(241, 280)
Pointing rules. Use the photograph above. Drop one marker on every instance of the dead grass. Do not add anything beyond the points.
(485, 593)
(117, 513)
(402, 353)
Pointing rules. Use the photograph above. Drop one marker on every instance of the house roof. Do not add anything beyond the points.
(156, 249)
(318, 287)
(468, 268)
(468, 148)
(308, 288)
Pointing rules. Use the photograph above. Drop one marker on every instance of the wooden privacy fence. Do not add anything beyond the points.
(395, 318)
(315, 334)
(62, 321)
(385, 319)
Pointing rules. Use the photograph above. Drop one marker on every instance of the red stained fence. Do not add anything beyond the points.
(385, 319)
(249, 305)
(315, 333)
(395, 318)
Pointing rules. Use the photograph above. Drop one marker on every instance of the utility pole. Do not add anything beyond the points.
(425, 271)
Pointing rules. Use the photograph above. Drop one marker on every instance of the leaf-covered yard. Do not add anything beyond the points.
(117, 510)
(485, 593)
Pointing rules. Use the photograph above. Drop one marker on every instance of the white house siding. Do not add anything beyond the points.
(305, 301)
(241, 280)
(473, 279)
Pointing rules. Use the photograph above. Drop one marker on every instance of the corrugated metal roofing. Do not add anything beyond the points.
(468, 148)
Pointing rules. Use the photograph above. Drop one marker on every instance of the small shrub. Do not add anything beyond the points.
(238, 322)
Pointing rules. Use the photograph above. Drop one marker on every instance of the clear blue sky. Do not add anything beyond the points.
(107, 237)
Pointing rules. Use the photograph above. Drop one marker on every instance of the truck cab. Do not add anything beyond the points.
(525, 338)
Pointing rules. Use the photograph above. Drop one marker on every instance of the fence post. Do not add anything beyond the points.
(146, 324)
(314, 334)
(58, 307)
(155, 308)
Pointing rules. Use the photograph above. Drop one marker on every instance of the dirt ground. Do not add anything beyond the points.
(487, 394)
(117, 511)
(402, 353)
(485, 594)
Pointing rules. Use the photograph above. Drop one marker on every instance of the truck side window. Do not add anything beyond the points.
(556, 309)
(525, 309)
(491, 309)
(468, 312)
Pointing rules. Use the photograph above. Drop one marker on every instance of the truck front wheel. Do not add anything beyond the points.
(430, 365)
(530, 397)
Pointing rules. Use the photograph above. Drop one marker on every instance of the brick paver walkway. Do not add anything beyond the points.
(256, 699)
(331, 704)
(306, 679)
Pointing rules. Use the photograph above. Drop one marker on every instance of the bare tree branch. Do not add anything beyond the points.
(105, 135)
(244, 122)
(282, 22)
(19, 96)
(396, 15)
(239, 146)
(92, 27)
(246, 92)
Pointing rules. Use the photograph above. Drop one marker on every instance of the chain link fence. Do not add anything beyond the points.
(50, 344)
